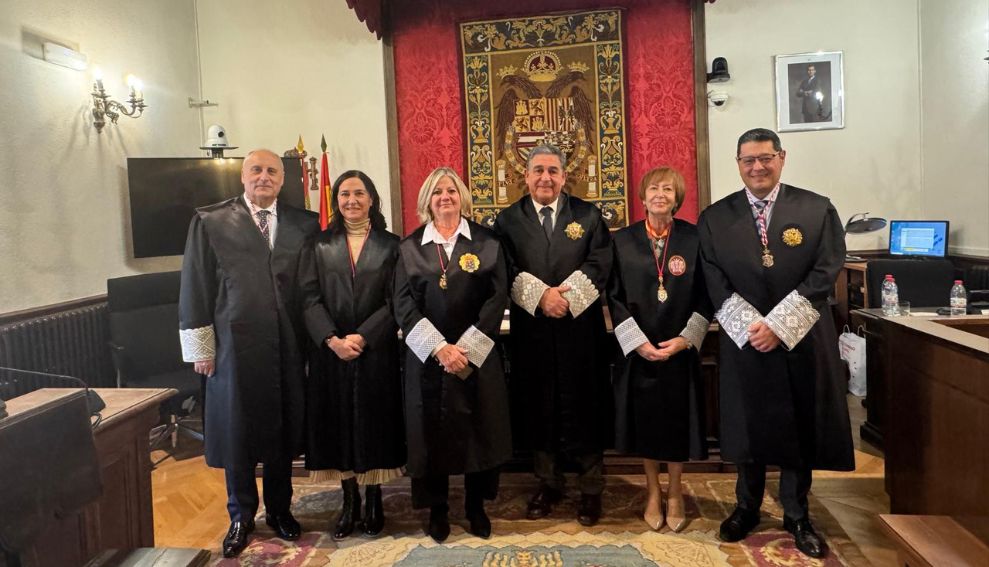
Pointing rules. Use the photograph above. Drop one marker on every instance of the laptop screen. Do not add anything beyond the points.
(918, 238)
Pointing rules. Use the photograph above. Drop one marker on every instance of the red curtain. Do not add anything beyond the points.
(659, 89)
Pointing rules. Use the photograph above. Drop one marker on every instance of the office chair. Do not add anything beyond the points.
(144, 341)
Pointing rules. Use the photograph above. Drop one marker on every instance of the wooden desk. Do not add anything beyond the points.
(851, 292)
(935, 405)
(122, 518)
(937, 541)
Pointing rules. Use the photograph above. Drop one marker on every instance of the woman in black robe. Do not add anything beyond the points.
(450, 297)
(354, 392)
(660, 311)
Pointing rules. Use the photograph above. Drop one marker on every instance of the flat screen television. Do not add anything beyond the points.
(918, 238)
(165, 192)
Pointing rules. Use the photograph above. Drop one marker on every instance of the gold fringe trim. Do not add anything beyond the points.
(375, 476)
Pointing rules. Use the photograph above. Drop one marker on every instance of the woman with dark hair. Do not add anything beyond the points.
(451, 288)
(660, 310)
(354, 393)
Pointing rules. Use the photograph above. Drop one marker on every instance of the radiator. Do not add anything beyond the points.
(71, 343)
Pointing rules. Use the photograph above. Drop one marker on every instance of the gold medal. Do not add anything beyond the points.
(443, 281)
(767, 259)
(662, 294)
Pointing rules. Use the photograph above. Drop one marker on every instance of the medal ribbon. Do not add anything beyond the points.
(760, 221)
(660, 266)
(353, 263)
(443, 264)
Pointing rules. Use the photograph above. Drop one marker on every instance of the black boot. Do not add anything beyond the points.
(350, 513)
(480, 524)
(439, 523)
(374, 514)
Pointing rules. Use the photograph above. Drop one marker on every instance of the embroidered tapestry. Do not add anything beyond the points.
(556, 79)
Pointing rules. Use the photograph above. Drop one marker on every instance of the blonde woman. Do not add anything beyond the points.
(450, 297)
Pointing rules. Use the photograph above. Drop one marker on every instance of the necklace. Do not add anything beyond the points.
(443, 266)
(661, 294)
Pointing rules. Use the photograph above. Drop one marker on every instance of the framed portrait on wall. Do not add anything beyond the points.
(810, 91)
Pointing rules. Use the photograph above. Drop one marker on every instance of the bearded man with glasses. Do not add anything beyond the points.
(771, 253)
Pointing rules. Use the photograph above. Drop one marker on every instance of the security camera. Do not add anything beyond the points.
(216, 136)
(717, 98)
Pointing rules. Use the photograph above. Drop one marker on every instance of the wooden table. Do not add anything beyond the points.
(122, 518)
(936, 541)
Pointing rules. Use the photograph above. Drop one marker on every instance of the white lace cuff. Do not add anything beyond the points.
(477, 344)
(423, 338)
(630, 336)
(527, 290)
(198, 344)
(792, 318)
(582, 292)
(735, 316)
(695, 330)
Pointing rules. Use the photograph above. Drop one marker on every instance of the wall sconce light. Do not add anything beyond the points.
(104, 107)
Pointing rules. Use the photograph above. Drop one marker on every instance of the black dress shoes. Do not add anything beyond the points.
(589, 509)
(374, 514)
(542, 503)
(738, 525)
(236, 539)
(808, 542)
(285, 525)
(439, 523)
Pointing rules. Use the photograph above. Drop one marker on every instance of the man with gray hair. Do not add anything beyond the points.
(240, 323)
(559, 258)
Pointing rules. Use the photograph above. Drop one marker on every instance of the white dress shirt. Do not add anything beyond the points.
(272, 218)
(431, 235)
(555, 205)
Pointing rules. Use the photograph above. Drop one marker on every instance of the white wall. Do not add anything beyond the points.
(309, 67)
(916, 138)
(874, 163)
(954, 80)
(63, 223)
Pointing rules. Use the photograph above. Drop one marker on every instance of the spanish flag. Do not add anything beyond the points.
(324, 188)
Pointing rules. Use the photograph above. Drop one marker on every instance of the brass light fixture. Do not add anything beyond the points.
(105, 107)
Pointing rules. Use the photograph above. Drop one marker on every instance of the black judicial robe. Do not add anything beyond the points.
(561, 389)
(251, 297)
(353, 408)
(454, 425)
(784, 407)
(659, 406)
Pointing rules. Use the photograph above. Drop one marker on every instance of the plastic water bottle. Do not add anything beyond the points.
(891, 297)
(958, 299)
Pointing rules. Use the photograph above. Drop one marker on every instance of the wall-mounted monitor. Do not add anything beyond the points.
(918, 238)
(165, 192)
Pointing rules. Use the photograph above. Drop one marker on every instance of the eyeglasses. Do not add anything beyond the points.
(749, 161)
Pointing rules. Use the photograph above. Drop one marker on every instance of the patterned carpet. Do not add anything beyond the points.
(621, 539)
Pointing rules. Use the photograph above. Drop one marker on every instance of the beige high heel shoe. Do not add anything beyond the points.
(676, 514)
(655, 520)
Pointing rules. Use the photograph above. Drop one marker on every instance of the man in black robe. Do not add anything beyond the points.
(771, 254)
(559, 252)
(240, 322)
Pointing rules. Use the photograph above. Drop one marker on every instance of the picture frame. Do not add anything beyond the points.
(810, 91)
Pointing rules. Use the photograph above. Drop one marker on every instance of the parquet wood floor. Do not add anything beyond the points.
(190, 498)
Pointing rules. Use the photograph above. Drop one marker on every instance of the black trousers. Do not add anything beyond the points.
(242, 490)
(549, 470)
(794, 487)
(434, 490)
